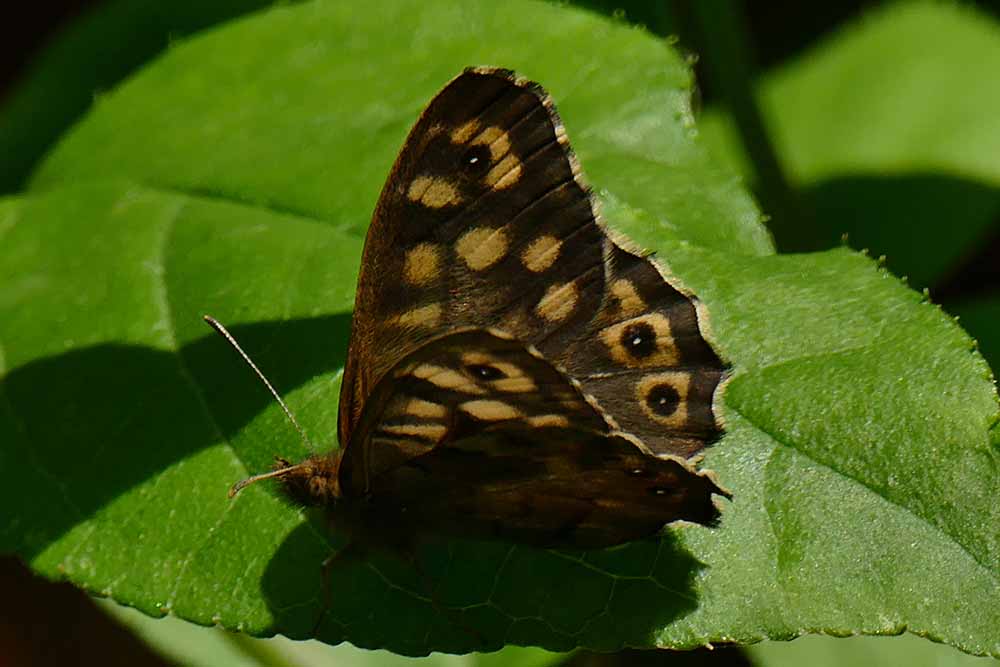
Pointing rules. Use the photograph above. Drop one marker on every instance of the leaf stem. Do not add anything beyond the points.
(728, 58)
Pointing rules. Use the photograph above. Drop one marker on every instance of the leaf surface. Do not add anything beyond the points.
(890, 136)
(237, 181)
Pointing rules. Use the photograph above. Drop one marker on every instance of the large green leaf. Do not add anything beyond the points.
(88, 56)
(891, 134)
(192, 646)
(235, 175)
(303, 111)
(818, 651)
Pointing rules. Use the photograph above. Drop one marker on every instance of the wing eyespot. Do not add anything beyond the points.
(663, 399)
(639, 340)
(476, 161)
(485, 372)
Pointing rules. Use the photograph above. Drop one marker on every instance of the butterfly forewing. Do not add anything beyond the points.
(480, 172)
(644, 358)
(485, 222)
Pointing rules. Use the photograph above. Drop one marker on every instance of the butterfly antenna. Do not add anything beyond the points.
(215, 324)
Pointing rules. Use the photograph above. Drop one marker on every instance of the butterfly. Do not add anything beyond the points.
(515, 370)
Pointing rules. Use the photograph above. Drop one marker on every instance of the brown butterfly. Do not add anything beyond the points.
(514, 370)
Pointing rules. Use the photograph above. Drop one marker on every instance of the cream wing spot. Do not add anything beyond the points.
(557, 302)
(505, 173)
(418, 407)
(629, 301)
(496, 139)
(422, 316)
(560, 421)
(422, 264)
(433, 192)
(446, 378)
(429, 431)
(489, 410)
(439, 194)
(477, 358)
(465, 131)
(515, 385)
(482, 247)
(541, 253)
(514, 381)
(418, 187)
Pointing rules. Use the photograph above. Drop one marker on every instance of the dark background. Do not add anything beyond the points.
(780, 29)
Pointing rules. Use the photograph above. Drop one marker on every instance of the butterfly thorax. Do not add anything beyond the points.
(315, 481)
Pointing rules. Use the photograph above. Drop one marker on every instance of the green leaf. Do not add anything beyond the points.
(193, 646)
(234, 176)
(88, 57)
(859, 423)
(328, 91)
(834, 652)
(890, 134)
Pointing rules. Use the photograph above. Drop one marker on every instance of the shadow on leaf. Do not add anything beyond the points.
(924, 223)
(90, 424)
(478, 596)
(95, 422)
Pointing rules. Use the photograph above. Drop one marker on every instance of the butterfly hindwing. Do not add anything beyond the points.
(546, 486)
(477, 434)
(485, 222)
(454, 386)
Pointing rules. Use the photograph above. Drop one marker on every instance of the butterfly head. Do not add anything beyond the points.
(314, 481)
